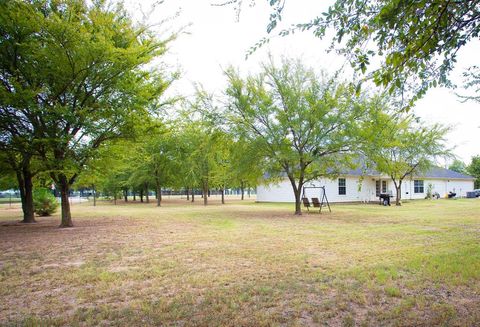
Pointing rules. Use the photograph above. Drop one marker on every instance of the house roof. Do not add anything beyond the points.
(434, 172)
(438, 172)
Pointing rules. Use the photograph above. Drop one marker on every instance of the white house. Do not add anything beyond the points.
(358, 186)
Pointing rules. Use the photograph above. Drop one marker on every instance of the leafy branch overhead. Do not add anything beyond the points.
(416, 42)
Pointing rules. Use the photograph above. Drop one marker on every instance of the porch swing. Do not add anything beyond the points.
(316, 203)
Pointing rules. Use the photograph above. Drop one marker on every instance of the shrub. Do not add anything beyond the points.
(429, 191)
(44, 202)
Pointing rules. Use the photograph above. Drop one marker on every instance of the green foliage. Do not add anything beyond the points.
(474, 170)
(7, 177)
(303, 125)
(416, 41)
(458, 166)
(401, 145)
(44, 203)
(205, 144)
(429, 191)
(75, 74)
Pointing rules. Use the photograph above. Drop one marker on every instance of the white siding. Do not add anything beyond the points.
(283, 192)
(441, 186)
(280, 192)
(360, 191)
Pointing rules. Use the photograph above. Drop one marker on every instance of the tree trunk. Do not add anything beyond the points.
(25, 184)
(188, 194)
(159, 193)
(248, 190)
(298, 202)
(115, 197)
(398, 197)
(141, 195)
(125, 195)
(134, 195)
(66, 214)
(147, 198)
(94, 195)
(242, 189)
(205, 192)
(193, 195)
(223, 195)
(297, 192)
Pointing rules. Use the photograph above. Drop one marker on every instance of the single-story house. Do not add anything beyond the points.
(360, 186)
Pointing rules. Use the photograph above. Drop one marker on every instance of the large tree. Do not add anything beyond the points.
(204, 145)
(402, 146)
(304, 124)
(74, 75)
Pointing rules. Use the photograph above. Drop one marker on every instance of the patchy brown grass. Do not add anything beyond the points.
(243, 264)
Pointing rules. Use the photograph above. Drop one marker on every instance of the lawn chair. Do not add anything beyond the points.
(317, 204)
(306, 203)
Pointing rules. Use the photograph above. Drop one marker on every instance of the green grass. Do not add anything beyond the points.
(243, 263)
(10, 200)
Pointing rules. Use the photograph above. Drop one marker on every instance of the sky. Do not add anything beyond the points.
(213, 39)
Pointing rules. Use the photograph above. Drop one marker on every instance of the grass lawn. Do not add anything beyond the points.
(244, 264)
(10, 200)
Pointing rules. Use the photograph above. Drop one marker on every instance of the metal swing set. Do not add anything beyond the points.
(316, 203)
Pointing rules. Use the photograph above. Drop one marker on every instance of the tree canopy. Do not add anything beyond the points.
(417, 42)
(74, 75)
(402, 146)
(303, 124)
(459, 166)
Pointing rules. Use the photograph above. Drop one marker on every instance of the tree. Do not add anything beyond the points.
(109, 170)
(156, 160)
(246, 164)
(206, 145)
(402, 146)
(474, 170)
(19, 161)
(414, 40)
(458, 166)
(74, 75)
(305, 125)
(8, 179)
(186, 138)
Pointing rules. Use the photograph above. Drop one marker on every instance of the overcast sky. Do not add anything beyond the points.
(216, 40)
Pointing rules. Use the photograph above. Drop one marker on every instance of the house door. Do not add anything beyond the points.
(380, 187)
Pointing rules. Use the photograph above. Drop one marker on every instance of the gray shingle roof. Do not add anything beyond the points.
(438, 172)
(434, 172)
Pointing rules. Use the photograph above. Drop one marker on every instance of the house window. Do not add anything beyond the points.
(418, 186)
(377, 188)
(384, 186)
(342, 186)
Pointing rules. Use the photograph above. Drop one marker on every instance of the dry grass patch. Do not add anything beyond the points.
(243, 264)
